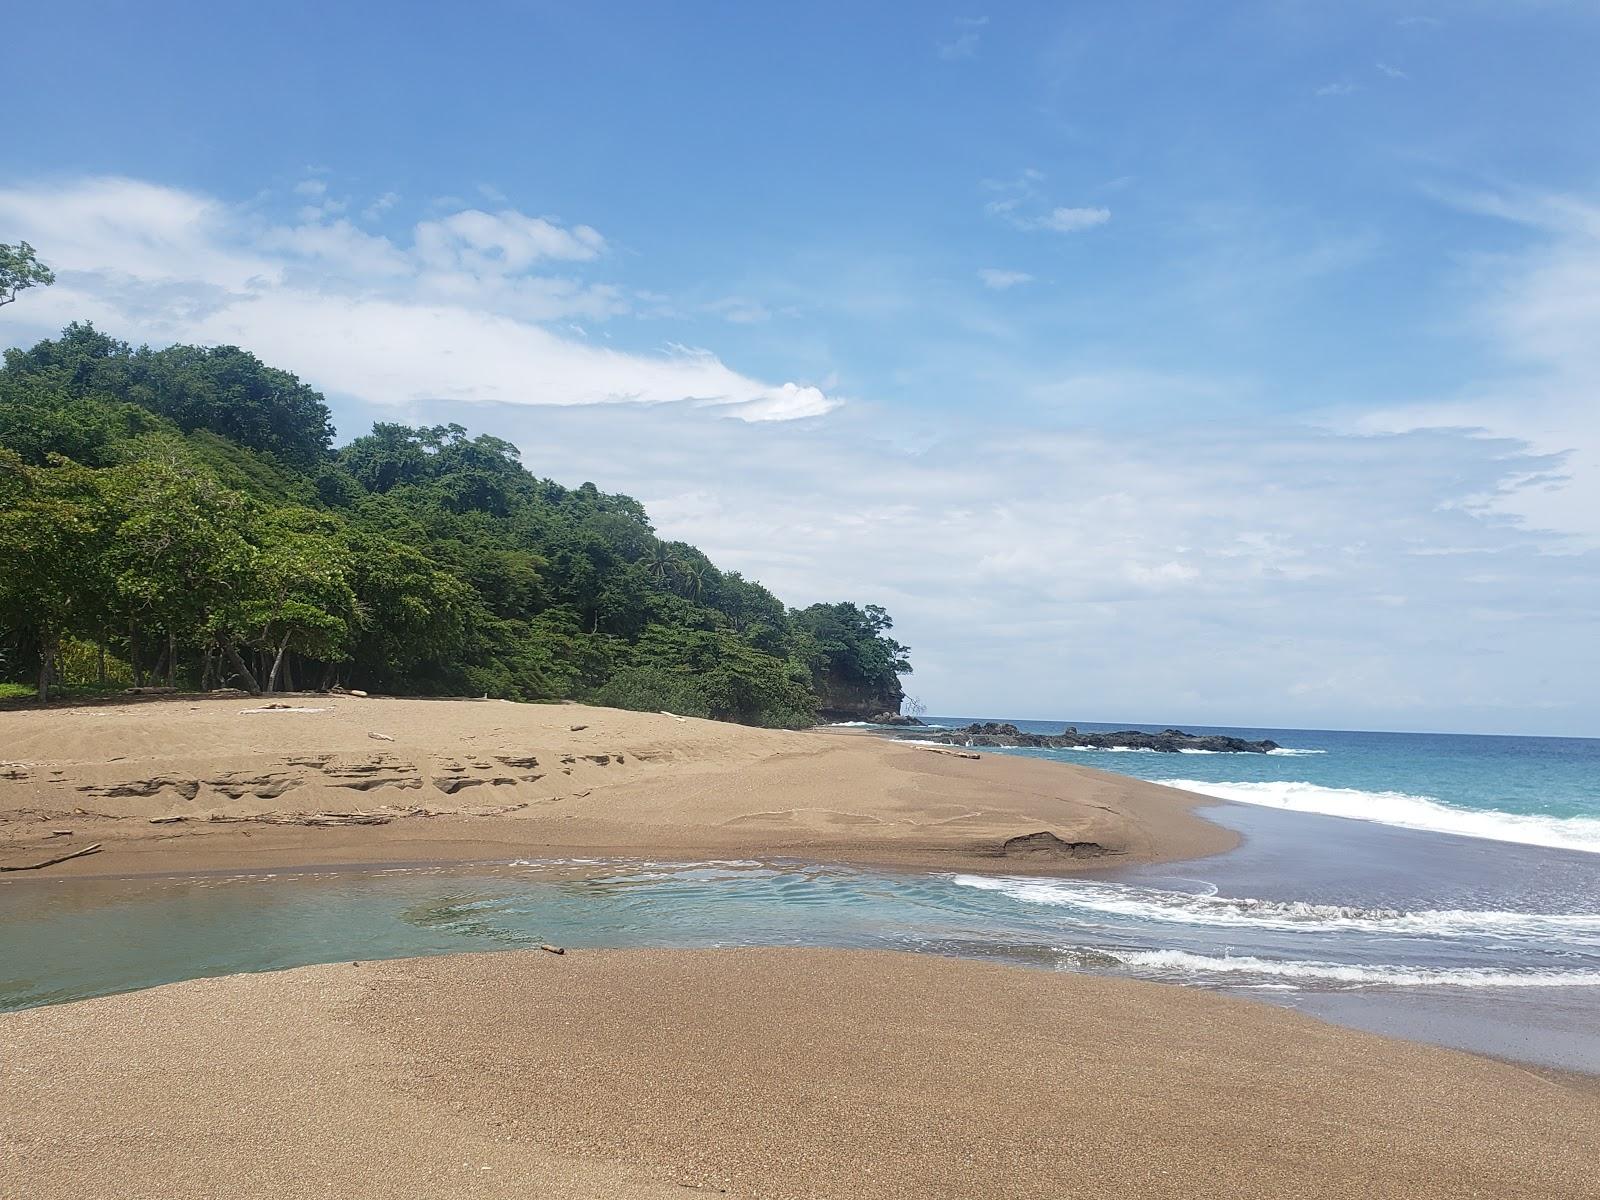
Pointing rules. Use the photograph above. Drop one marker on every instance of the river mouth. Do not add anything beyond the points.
(1427, 938)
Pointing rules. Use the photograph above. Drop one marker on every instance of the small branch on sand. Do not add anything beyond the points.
(947, 753)
(552, 949)
(321, 818)
(50, 862)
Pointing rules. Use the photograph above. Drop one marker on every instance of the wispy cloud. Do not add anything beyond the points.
(1537, 309)
(966, 36)
(1021, 203)
(1336, 89)
(467, 310)
(999, 280)
(1066, 220)
(1393, 72)
(740, 310)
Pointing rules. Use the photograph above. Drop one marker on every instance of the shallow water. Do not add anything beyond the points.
(1365, 927)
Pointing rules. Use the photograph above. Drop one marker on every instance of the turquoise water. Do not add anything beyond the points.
(1532, 791)
(72, 939)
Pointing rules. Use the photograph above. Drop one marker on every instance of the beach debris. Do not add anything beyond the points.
(947, 753)
(380, 737)
(149, 691)
(318, 819)
(61, 833)
(674, 716)
(549, 949)
(294, 708)
(167, 820)
(358, 692)
(577, 728)
(50, 862)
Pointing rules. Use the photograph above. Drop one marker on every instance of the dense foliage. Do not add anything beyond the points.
(183, 516)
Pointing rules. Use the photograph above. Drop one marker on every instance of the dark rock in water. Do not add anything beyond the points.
(1168, 741)
(1047, 845)
(893, 718)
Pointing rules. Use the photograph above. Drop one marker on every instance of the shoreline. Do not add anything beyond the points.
(174, 785)
(758, 1073)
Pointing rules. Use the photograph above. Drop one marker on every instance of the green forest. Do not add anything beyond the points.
(181, 517)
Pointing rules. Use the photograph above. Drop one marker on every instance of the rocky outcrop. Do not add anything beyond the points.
(894, 718)
(841, 699)
(1168, 741)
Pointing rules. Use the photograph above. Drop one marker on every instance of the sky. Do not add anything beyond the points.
(1211, 364)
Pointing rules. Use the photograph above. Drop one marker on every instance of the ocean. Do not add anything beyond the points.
(1535, 791)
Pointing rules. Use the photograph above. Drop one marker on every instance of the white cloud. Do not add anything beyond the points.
(1392, 72)
(455, 315)
(1336, 89)
(502, 243)
(1069, 220)
(380, 206)
(1000, 280)
(1021, 204)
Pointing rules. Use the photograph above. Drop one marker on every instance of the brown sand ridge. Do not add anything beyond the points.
(190, 783)
(754, 1073)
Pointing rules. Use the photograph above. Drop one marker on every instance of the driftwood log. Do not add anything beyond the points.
(50, 862)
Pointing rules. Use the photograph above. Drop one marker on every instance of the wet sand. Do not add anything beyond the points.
(189, 783)
(754, 1073)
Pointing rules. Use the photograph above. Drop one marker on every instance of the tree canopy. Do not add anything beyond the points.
(20, 269)
(185, 514)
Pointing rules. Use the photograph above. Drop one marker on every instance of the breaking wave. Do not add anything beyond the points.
(1297, 916)
(1408, 812)
(1183, 962)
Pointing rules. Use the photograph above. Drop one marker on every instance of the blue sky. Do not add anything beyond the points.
(1150, 362)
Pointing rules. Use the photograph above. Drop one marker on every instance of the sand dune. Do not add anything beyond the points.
(189, 783)
(754, 1073)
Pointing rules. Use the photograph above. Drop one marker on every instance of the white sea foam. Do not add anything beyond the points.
(1300, 916)
(1183, 962)
(1293, 751)
(1408, 812)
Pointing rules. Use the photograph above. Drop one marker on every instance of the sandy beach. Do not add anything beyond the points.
(754, 1073)
(182, 784)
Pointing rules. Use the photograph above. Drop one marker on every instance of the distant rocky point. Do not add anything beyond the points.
(894, 718)
(1168, 741)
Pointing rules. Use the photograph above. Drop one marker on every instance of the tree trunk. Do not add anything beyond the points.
(277, 665)
(47, 657)
(133, 655)
(172, 660)
(232, 655)
(100, 664)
